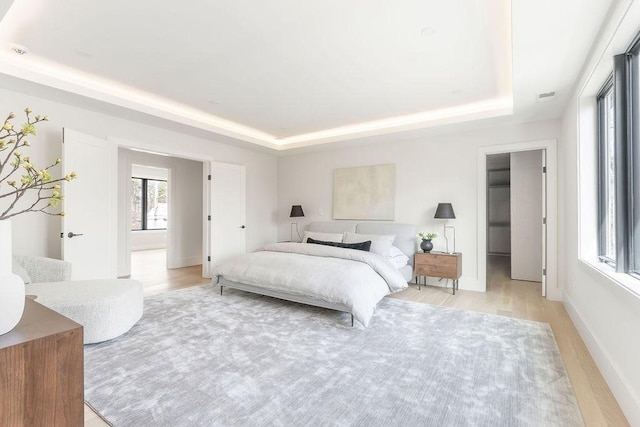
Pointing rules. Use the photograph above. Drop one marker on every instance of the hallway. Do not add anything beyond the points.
(150, 268)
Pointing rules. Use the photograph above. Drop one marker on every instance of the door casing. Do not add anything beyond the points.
(550, 259)
(175, 151)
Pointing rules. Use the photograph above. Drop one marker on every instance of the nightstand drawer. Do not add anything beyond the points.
(447, 272)
(448, 266)
(442, 260)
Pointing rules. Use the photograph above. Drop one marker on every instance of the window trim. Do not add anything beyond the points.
(626, 104)
(602, 167)
(633, 153)
(622, 111)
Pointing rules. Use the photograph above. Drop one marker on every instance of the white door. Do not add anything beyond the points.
(228, 211)
(89, 224)
(526, 220)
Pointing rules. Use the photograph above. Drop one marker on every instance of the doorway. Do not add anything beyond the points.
(548, 236)
(161, 226)
(515, 216)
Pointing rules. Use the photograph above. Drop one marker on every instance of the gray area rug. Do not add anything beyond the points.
(198, 358)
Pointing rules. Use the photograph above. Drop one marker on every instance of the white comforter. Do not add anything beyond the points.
(355, 279)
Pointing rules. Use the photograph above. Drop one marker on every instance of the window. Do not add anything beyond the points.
(633, 153)
(619, 164)
(148, 204)
(606, 175)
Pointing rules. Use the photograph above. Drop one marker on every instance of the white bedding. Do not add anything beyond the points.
(356, 279)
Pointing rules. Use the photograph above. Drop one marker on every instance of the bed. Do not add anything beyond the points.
(336, 278)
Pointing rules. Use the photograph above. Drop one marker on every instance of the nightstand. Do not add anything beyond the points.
(439, 264)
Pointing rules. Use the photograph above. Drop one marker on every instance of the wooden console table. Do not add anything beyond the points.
(42, 370)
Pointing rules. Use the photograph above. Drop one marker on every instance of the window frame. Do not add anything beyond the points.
(633, 161)
(626, 104)
(603, 175)
(144, 188)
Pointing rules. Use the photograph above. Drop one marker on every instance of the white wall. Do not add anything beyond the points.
(40, 234)
(143, 240)
(606, 314)
(441, 168)
(526, 215)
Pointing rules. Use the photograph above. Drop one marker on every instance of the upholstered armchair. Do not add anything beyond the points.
(105, 308)
(40, 269)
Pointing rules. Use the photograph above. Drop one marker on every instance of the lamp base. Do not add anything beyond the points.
(297, 232)
(447, 240)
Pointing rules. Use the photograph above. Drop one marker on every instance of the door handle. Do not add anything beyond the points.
(70, 235)
(243, 227)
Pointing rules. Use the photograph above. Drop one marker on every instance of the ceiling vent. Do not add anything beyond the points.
(19, 49)
(546, 97)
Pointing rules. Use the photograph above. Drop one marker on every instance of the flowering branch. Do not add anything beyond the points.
(32, 179)
(427, 236)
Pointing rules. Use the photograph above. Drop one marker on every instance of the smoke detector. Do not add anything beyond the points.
(546, 97)
(19, 49)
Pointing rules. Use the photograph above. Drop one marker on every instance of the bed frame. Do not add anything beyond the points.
(284, 296)
(405, 241)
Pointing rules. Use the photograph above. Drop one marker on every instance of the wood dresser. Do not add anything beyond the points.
(42, 370)
(439, 264)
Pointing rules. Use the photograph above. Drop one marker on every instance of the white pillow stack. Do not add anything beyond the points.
(380, 244)
(397, 258)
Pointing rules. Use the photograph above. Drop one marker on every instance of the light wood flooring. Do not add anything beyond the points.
(504, 297)
(150, 268)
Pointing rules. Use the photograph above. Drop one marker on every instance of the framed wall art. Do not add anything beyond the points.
(366, 192)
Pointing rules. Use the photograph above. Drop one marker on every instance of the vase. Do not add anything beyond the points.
(11, 285)
(5, 247)
(426, 245)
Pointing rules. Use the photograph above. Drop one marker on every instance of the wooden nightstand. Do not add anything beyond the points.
(439, 264)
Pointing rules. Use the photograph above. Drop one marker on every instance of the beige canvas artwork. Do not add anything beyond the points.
(366, 192)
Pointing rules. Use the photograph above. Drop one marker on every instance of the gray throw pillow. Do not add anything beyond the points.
(361, 246)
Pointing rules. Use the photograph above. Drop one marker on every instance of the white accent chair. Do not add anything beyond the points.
(105, 308)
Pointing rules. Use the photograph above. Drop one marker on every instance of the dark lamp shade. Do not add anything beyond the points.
(296, 210)
(444, 211)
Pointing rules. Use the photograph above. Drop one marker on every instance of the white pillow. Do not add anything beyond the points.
(380, 244)
(397, 258)
(326, 237)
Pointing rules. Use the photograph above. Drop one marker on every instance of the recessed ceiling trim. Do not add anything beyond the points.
(44, 72)
(55, 75)
(460, 113)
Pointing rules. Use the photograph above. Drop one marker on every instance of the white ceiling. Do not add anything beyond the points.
(287, 74)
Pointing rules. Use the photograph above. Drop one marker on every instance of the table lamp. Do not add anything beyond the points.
(445, 211)
(296, 212)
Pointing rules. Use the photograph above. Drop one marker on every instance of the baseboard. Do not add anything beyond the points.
(555, 294)
(147, 247)
(628, 401)
(184, 262)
